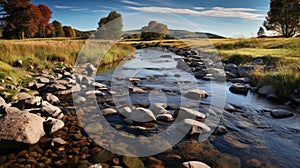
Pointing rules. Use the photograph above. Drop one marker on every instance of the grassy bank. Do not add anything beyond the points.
(281, 53)
(41, 54)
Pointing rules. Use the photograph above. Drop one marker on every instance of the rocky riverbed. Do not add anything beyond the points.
(43, 128)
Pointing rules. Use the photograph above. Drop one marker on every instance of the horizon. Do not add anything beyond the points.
(233, 19)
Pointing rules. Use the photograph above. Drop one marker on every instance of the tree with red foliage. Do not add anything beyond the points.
(24, 19)
(46, 15)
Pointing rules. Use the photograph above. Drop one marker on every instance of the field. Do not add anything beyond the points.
(282, 53)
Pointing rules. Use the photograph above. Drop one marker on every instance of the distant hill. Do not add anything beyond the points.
(179, 34)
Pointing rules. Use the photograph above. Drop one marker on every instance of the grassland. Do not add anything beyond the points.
(43, 54)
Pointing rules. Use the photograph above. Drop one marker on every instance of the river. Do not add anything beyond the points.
(253, 135)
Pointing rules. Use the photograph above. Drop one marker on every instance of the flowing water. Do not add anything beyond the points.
(254, 136)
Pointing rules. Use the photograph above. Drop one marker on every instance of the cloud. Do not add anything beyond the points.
(244, 13)
(63, 7)
(130, 2)
(198, 8)
(79, 9)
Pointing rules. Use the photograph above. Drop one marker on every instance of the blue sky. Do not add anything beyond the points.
(230, 18)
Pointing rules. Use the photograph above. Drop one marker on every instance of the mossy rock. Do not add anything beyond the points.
(133, 162)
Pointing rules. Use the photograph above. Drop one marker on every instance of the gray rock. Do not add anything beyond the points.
(240, 80)
(33, 102)
(21, 96)
(158, 108)
(280, 114)
(245, 70)
(125, 111)
(194, 164)
(98, 85)
(91, 69)
(258, 61)
(230, 67)
(196, 126)
(108, 111)
(220, 130)
(183, 113)
(44, 80)
(50, 110)
(229, 107)
(9, 78)
(266, 90)
(96, 166)
(51, 98)
(52, 125)
(239, 88)
(142, 115)
(59, 141)
(21, 127)
(230, 74)
(64, 92)
(200, 74)
(165, 117)
(2, 101)
(79, 99)
(196, 94)
(56, 87)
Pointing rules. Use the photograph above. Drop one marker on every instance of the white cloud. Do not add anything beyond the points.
(198, 8)
(130, 2)
(78, 9)
(63, 7)
(244, 13)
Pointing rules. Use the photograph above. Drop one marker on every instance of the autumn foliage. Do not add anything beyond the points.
(26, 20)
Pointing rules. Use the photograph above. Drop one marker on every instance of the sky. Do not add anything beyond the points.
(229, 18)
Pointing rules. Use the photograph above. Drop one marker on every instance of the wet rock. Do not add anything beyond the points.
(238, 88)
(59, 141)
(158, 108)
(142, 115)
(98, 85)
(21, 127)
(108, 111)
(240, 80)
(194, 125)
(200, 74)
(52, 125)
(183, 113)
(254, 163)
(230, 74)
(134, 79)
(230, 67)
(79, 99)
(280, 114)
(50, 110)
(266, 90)
(93, 128)
(229, 107)
(99, 165)
(101, 157)
(165, 117)
(64, 92)
(196, 94)
(194, 164)
(133, 162)
(21, 96)
(56, 87)
(136, 90)
(220, 130)
(125, 111)
(51, 98)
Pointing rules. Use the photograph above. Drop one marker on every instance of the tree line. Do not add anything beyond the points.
(22, 19)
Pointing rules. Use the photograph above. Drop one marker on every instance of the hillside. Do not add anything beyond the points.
(179, 34)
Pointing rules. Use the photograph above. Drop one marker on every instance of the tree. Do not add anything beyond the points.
(284, 17)
(154, 31)
(58, 29)
(261, 32)
(46, 14)
(22, 18)
(69, 31)
(110, 27)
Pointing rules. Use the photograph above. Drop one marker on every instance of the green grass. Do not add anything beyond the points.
(46, 53)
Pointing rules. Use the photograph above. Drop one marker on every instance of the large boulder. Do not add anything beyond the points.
(239, 88)
(20, 126)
